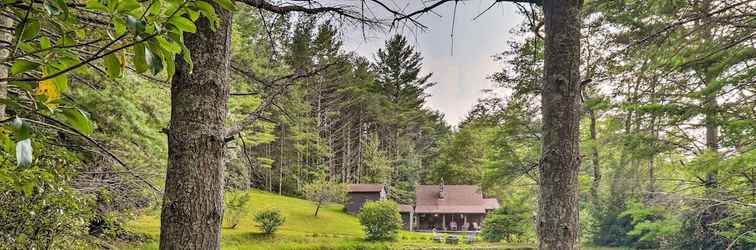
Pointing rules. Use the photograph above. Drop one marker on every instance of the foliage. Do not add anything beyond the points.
(234, 208)
(269, 220)
(48, 42)
(377, 166)
(506, 223)
(38, 207)
(324, 191)
(380, 219)
(650, 227)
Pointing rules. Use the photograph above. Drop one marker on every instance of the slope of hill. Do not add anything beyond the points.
(331, 229)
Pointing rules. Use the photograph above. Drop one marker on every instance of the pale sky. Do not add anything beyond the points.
(460, 77)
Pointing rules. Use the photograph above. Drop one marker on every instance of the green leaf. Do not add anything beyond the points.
(204, 7)
(96, 5)
(78, 120)
(22, 66)
(171, 47)
(135, 24)
(170, 64)
(112, 66)
(51, 8)
(44, 42)
(125, 6)
(140, 62)
(154, 61)
(119, 26)
(226, 4)
(27, 30)
(61, 4)
(193, 15)
(183, 24)
(154, 8)
(27, 187)
(208, 11)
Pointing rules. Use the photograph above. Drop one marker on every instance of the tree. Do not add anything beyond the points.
(193, 201)
(376, 168)
(400, 117)
(557, 221)
(505, 223)
(235, 207)
(324, 191)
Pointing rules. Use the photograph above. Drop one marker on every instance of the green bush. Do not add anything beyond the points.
(39, 208)
(269, 220)
(505, 223)
(380, 219)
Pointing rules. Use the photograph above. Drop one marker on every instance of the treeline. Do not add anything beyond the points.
(667, 126)
(355, 120)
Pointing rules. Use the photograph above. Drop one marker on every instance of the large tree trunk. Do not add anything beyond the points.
(193, 201)
(558, 193)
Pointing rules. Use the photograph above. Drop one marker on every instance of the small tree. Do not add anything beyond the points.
(235, 207)
(323, 191)
(269, 220)
(380, 219)
(505, 223)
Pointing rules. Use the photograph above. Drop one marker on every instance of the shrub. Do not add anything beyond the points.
(505, 223)
(651, 227)
(380, 219)
(269, 220)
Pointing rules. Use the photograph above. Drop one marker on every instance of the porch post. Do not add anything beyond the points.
(412, 219)
(443, 222)
(418, 221)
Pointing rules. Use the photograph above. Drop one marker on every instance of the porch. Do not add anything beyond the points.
(444, 222)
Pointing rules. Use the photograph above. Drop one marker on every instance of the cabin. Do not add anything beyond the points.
(358, 194)
(447, 208)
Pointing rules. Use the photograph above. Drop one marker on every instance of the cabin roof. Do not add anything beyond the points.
(451, 199)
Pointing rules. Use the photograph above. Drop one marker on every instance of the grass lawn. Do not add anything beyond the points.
(332, 229)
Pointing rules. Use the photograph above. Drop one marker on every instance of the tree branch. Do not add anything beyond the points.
(288, 80)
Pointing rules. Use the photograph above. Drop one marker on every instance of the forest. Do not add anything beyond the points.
(610, 124)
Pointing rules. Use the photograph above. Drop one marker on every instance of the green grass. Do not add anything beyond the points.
(331, 229)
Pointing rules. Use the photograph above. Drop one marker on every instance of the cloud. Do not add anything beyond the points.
(460, 73)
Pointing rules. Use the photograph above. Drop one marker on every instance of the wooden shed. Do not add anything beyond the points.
(360, 193)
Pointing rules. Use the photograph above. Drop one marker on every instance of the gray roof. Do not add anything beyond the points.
(365, 188)
(456, 199)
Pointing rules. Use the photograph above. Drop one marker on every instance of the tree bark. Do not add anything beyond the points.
(595, 158)
(6, 38)
(558, 193)
(193, 201)
(317, 208)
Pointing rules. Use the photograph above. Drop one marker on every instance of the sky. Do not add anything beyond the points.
(461, 75)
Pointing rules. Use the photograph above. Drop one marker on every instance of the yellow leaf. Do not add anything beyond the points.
(122, 58)
(47, 88)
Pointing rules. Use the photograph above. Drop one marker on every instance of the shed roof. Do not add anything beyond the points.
(365, 188)
(403, 208)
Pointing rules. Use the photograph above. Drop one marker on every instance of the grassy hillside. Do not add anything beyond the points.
(332, 229)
